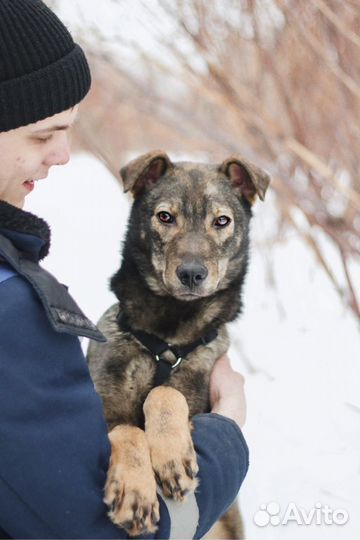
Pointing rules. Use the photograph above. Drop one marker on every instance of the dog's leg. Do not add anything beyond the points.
(167, 429)
(229, 526)
(130, 490)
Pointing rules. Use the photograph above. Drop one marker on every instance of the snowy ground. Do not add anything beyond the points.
(298, 348)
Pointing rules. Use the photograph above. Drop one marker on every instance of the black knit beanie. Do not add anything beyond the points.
(42, 71)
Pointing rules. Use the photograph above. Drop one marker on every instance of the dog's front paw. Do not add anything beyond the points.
(136, 512)
(172, 452)
(176, 475)
(130, 490)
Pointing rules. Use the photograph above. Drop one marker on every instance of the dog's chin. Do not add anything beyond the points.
(162, 287)
(188, 296)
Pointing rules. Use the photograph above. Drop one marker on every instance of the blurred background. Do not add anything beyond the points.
(276, 81)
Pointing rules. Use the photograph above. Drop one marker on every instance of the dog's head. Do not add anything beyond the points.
(189, 223)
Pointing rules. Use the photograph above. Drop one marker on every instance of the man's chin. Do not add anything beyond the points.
(19, 202)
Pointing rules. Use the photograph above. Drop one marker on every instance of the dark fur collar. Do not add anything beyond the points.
(14, 219)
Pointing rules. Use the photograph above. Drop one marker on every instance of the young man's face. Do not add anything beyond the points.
(27, 153)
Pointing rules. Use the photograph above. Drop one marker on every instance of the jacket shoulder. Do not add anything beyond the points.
(6, 272)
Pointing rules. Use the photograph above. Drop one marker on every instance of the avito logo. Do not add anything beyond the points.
(317, 515)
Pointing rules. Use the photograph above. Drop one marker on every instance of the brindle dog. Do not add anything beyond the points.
(184, 261)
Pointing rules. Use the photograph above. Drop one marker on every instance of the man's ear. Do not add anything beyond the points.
(144, 170)
(245, 176)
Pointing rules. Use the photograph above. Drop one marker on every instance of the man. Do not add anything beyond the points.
(54, 449)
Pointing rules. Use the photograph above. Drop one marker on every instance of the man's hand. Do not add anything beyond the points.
(227, 396)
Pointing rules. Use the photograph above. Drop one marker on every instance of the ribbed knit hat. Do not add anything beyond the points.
(42, 71)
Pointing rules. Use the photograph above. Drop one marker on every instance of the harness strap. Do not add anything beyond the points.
(158, 346)
(162, 373)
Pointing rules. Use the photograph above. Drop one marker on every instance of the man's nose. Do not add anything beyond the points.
(60, 152)
(191, 274)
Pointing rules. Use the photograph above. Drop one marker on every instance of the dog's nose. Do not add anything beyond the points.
(191, 274)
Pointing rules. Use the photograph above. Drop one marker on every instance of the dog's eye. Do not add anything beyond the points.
(165, 217)
(221, 221)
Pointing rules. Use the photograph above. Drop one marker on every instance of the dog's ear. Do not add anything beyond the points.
(146, 169)
(247, 177)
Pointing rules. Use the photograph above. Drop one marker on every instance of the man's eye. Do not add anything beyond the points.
(44, 139)
(165, 217)
(221, 221)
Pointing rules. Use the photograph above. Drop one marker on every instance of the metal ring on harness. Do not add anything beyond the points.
(177, 363)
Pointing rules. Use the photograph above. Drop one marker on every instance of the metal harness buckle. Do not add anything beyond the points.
(177, 363)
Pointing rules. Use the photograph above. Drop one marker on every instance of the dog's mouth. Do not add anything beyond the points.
(188, 296)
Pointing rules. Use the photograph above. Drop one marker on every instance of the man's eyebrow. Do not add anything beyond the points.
(53, 128)
(58, 127)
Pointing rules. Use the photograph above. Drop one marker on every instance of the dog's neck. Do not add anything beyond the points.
(171, 319)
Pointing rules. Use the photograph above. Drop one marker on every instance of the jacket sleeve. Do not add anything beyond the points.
(53, 440)
(223, 459)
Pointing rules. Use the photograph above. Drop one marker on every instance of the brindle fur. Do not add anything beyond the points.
(151, 294)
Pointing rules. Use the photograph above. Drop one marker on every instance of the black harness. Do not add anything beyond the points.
(157, 347)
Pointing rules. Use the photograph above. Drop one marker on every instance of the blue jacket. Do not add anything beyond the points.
(54, 449)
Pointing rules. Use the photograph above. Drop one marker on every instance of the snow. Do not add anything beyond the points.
(297, 346)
